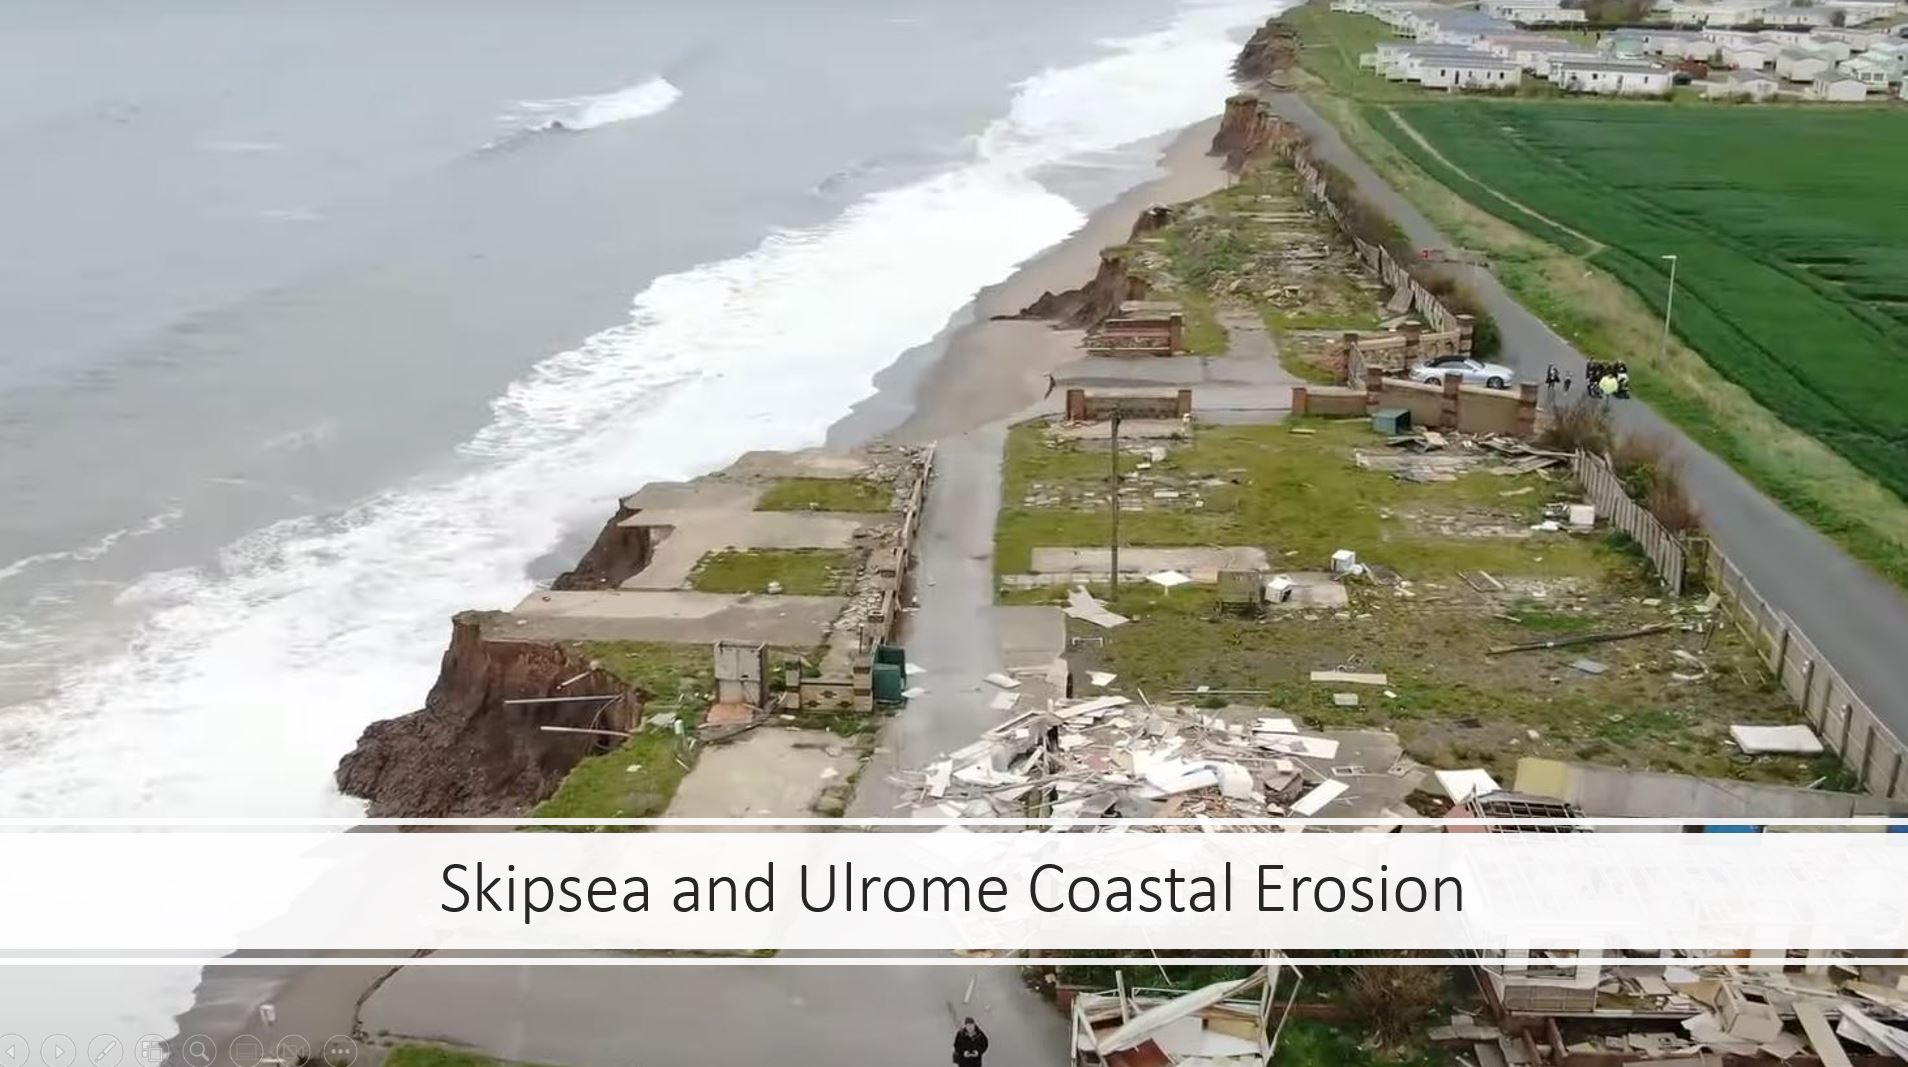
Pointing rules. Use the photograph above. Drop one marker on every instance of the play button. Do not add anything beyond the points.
(13, 1050)
(57, 1051)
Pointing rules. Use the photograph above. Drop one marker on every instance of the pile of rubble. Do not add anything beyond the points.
(1443, 456)
(1111, 758)
(1671, 1009)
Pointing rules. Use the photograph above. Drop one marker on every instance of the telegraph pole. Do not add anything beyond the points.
(1114, 437)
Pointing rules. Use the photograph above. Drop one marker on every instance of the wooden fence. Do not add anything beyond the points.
(1665, 549)
(1870, 750)
(1378, 259)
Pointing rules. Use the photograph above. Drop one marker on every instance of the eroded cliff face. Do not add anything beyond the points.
(613, 558)
(1245, 130)
(1271, 48)
(1113, 284)
(467, 753)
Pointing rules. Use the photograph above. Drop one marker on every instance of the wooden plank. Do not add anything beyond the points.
(1822, 1037)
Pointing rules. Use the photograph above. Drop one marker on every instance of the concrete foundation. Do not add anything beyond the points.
(1202, 565)
(766, 773)
(680, 617)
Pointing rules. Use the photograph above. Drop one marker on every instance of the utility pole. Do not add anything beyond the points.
(1662, 347)
(1113, 575)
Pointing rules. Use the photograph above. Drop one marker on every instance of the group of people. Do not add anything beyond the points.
(1600, 379)
(1607, 379)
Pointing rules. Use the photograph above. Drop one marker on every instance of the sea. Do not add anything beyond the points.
(325, 319)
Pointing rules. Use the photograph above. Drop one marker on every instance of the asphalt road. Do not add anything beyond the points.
(1856, 617)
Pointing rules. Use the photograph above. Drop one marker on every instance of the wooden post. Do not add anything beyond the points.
(1782, 656)
(1868, 747)
(1894, 775)
(1848, 721)
(1808, 688)
(1113, 571)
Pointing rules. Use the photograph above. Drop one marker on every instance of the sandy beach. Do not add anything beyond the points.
(979, 370)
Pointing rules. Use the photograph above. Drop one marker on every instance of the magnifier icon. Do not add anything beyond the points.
(199, 1051)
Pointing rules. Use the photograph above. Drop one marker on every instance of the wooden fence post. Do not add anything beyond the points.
(1782, 655)
(1808, 687)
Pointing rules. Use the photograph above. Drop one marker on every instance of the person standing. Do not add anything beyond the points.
(970, 1044)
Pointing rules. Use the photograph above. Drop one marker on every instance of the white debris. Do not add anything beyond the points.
(1002, 680)
(1798, 739)
(1101, 679)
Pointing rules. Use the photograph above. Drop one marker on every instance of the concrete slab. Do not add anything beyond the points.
(1312, 591)
(1130, 429)
(708, 493)
(1030, 636)
(1201, 564)
(766, 773)
(811, 463)
(683, 617)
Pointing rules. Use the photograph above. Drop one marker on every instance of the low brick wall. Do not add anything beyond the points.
(1150, 335)
(1083, 406)
(1464, 408)
(1328, 401)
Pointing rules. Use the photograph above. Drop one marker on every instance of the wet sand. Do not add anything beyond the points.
(977, 372)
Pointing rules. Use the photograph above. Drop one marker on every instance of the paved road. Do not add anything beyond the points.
(1855, 616)
(691, 1016)
(953, 635)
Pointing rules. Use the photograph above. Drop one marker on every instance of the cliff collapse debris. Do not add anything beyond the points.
(1113, 284)
(467, 752)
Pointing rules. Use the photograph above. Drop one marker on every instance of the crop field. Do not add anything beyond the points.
(1788, 222)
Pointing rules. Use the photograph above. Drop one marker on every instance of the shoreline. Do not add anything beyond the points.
(975, 371)
(980, 369)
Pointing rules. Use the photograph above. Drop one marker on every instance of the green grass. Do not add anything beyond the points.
(432, 1056)
(1298, 493)
(1300, 497)
(864, 495)
(677, 678)
(802, 571)
(1309, 1043)
(1793, 276)
(1451, 705)
(1332, 41)
(1828, 480)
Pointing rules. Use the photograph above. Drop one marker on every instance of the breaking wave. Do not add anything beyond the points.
(637, 101)
(251, 676)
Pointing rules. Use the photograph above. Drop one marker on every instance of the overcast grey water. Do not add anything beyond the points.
(325, 320)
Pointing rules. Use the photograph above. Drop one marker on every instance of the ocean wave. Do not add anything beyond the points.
(92, 550)
(637, 101)
(250, 678)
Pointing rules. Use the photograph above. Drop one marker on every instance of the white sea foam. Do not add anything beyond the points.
(250, 678)
(637, 101)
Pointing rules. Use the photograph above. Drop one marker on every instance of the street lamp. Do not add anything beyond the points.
(1662, 347)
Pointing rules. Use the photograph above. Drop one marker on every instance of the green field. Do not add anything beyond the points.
(1793, 272)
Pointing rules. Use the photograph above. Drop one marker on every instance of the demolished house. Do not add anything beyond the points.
(1111, 758)
(1555, 1011)
(1226, 1024)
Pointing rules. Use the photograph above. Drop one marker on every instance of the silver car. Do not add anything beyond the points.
(1467, 370)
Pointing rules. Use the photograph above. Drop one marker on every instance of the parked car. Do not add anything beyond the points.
(1468, 370)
